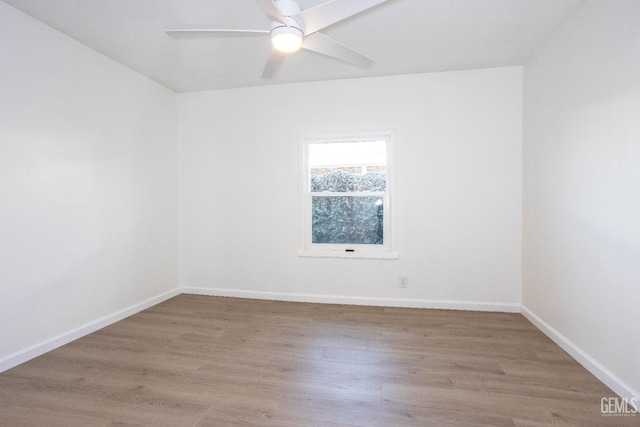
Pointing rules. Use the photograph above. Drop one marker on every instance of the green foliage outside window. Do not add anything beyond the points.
(349, 219)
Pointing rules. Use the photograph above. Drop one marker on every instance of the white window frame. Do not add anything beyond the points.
(385, 251)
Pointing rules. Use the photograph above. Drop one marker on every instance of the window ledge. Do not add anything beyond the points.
(341, 253)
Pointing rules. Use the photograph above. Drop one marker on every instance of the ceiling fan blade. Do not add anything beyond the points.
(214, 30)
(323, 15)
(320, 43)
(271, 9)
(275, 60)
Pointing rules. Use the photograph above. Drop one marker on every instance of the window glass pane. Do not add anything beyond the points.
(347, 220)
(342, 182)
(348, 166)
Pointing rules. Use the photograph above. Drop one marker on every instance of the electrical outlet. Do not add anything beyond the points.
(404, 281)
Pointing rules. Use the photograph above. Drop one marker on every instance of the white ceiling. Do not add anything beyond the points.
(401, 36)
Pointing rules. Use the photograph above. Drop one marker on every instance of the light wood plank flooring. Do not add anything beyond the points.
(207, 361)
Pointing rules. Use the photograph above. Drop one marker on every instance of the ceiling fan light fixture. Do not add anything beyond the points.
(286, 39)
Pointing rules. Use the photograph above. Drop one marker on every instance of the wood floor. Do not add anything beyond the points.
(207, 361)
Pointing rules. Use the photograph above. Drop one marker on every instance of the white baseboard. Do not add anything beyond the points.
(370, 301)
(597, 369)
(36, 350)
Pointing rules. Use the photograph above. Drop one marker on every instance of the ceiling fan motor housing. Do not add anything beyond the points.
(287, 38)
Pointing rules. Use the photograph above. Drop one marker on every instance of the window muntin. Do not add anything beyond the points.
(346, 196)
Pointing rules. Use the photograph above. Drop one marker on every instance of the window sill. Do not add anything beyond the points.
(341, 253)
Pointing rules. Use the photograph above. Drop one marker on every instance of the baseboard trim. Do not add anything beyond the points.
(348, 300)
(597, 369)
(36, 350)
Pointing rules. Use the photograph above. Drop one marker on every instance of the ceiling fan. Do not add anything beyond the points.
(293, 28)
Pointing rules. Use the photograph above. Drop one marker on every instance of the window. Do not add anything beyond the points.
(347, 189)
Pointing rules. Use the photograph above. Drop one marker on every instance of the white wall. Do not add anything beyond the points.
(582, 189)
(88, 187)
(459, 179)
